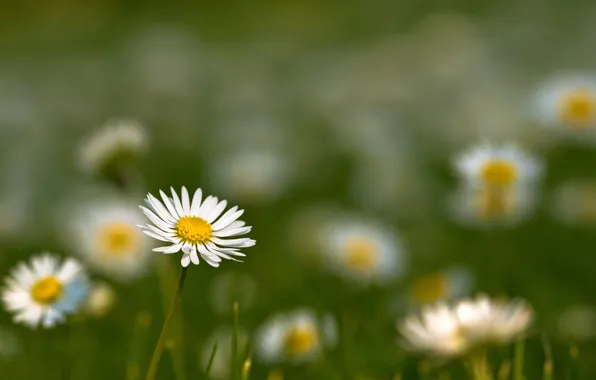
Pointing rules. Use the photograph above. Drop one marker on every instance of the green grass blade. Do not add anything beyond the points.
(246, 369)
(234, 357)
(211, 359)
(547, 372)
(519, 356)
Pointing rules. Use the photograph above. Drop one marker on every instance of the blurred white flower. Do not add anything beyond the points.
(101, 299)
(497, 166)
(104, 233)
(196, 227)
(258, 176)
(363, 251)
(578, 322)
(297, 336)
(444, 330)
(574, 202)
(568, 103)
(220, 368)
(116, 143)
(227, 288)
(490, 207)
(10, 344)
(446, 285)
(45, 290)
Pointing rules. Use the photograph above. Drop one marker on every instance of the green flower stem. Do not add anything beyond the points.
(520, 349)
(479, 366)
(151, 372)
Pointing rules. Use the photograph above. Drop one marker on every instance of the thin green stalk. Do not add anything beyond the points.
(479, 366)
(246, 369)
(167, 281)
(520, 350)
(66, 354)
(139, 330)
(211, 359)
(152, 371)
(547, 373)
(234, 356)
(574, 370)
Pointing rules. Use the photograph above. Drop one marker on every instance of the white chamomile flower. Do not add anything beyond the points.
(445, 330)
(253, 175)
(491, 207)
(446, 285)
(45, 290)
(497, 166)
(101, 299)
(574, 202)
(568, 102)
(196, 227)
(296, 336)
(106, 237)
(117, 142)
(362, 251)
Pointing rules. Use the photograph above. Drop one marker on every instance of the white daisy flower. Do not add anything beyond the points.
(363, 251)
(220, 368)
(444, 330)
(253, 175)
(117, 142)
(296, 336)
(491, 207)
(196, 227)
(497, 166)
(101, 299)
(578, 322)
(106, 237)
(568, 102)
(575, 202)
(446, 285)
(45, 291)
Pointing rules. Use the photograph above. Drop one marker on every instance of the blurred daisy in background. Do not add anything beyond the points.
(45, 290)
(10, 344)
(568, 103)
(574, 202)
(578, 323)
(229, 287)
(101, 299)
(104, 233)
(446, 285)
(220, 368)
(362, 251)
(444, 330)
(487, 207)
(196, 227)
(252, 175)
(114, 146)
(297, 336)
(497, 166)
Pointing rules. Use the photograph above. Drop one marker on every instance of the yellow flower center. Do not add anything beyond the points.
(430, 288)
(46, 290)
(300, 340)
(118, 239)
(194, 230)
(361, 254)
(492, 204)
(579, 108)
(499, 173)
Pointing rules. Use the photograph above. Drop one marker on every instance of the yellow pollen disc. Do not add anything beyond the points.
(300, 340)
(118, 239)
(499, 173)
(493, 204)
(192, 229)
(429, 289)
(579, 108)
(361, 254)
(46, 290)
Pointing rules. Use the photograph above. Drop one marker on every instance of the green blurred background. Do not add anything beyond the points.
(199, 75)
